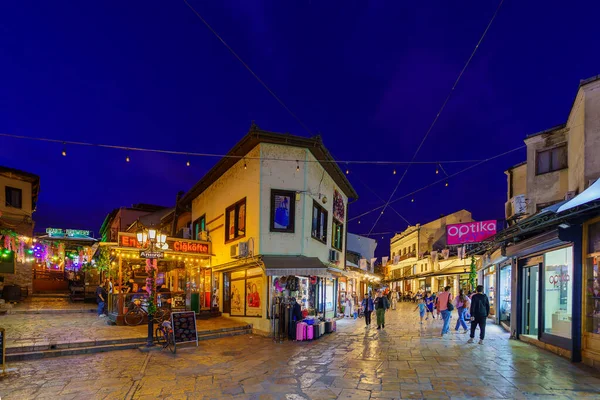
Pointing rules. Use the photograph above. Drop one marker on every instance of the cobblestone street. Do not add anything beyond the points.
(402, 361)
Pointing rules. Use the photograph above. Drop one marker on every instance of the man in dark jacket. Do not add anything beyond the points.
(480, 309)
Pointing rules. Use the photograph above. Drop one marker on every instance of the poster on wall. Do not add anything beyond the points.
(338, 206)
(237, 298)
(253, 296)
(283, 218)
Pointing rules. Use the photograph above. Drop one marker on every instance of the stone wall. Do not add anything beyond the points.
(23, 276)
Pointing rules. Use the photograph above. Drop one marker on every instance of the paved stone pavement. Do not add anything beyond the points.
(27, 331)
(403, 361)
(49, 304)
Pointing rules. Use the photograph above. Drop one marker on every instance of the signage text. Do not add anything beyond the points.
(470, 232)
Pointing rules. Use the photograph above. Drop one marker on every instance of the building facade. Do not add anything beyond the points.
(19, 192)
(420, 258)
(546, 259)
(273, 209)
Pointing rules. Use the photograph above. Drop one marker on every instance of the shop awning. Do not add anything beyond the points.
(588, 195)
(449, 271)
(294, 265)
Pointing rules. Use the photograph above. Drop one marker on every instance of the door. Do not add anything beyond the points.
(531, 293)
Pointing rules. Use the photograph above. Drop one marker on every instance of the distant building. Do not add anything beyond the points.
(358, 279)
(119, 219)
(421, 259)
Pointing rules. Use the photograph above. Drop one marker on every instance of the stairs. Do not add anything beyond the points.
(100, 346)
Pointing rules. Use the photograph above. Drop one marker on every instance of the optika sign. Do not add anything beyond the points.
(470, 232)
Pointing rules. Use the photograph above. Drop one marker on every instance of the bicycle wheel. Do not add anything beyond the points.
(171, 343)
(158, 315)
(134, 317)
(159, 336)
(166, 314)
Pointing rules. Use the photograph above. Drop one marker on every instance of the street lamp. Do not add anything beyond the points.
(152, 240)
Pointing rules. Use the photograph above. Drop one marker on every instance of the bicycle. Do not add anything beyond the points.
(164, 336)
(136, 314)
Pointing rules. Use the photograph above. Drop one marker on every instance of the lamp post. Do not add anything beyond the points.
(153, 241)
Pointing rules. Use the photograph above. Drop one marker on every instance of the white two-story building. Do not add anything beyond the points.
(273, 208)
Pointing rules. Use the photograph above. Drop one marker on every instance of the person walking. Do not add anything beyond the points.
(368, 306)
(462, 304)
(421, 307)
(101, 299)
(381, 306)
(429, 301)
(480, 309)
(394, 299)
(444, 306)
(348, 308)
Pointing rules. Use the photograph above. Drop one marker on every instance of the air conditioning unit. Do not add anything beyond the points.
(239, 250)
(186, 233)
(570, 194)
(334, 256)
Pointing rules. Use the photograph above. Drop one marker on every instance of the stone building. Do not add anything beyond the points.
(19, 192)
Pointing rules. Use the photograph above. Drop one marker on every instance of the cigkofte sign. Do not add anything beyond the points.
(176, 245)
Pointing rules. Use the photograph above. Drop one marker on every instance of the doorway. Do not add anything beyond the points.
(531, 293)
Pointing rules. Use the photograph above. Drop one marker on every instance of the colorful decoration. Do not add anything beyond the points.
(339, 211)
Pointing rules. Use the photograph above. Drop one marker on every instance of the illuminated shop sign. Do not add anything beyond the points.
(175, 244)
(470, 232)
(53, 232)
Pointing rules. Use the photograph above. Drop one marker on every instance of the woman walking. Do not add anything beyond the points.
(394, 299)
(462, 305)
(368, 306)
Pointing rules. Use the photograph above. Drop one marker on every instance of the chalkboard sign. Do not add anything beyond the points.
(184, 327)
(3, 350)
(7, 263)
(178, 301)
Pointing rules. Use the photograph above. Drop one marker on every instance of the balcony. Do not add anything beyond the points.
(408, 255)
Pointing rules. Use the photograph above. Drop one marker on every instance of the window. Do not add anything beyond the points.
(338, 235)
(235, 221)
(243, 293)
(552, 160)
(199, 226)
(414, 249)
(319, 223)
(283, 210)
(558, 292)
(14, 197)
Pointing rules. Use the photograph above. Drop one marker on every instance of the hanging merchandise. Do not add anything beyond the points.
(396, 260)
(459, 254)
(434, 256)
(446, 253)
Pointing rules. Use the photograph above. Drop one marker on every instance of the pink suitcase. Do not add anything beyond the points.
(310, 332)
(301, 331)
(333, 327)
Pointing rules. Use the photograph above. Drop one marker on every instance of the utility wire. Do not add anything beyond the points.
(439, 112)
(438, 181)
(193, 154)
(379, 197)
(210, 28)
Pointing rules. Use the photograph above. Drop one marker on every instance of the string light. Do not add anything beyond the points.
(412, 200)
(245, 166)
(64, 149)
(437, 170)
(446, 183)
(347, 171)
(187, 164)
(127, 158)
(394, 172)
(297, 166)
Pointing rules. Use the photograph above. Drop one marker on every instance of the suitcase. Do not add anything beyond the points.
(333, 326)
(322, 328)
(317, 331)
(328, 327)
(301, 331)
(310, 332)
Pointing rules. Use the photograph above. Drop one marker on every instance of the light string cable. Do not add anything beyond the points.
(194, 154)
(436, 182)
(438, 114)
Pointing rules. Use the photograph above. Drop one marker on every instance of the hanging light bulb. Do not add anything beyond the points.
(446, 183)
(245, 166)
(359, 221)
(187, 164)
(412, 200)
(394, 171)
(347, 171)
(64, 149)
(437, 170)
(127, 158)
(297, 166)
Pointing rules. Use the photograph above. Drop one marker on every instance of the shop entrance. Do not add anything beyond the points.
(531, 292)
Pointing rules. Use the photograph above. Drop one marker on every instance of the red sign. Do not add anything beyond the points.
(470, 232)
(175, 244)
